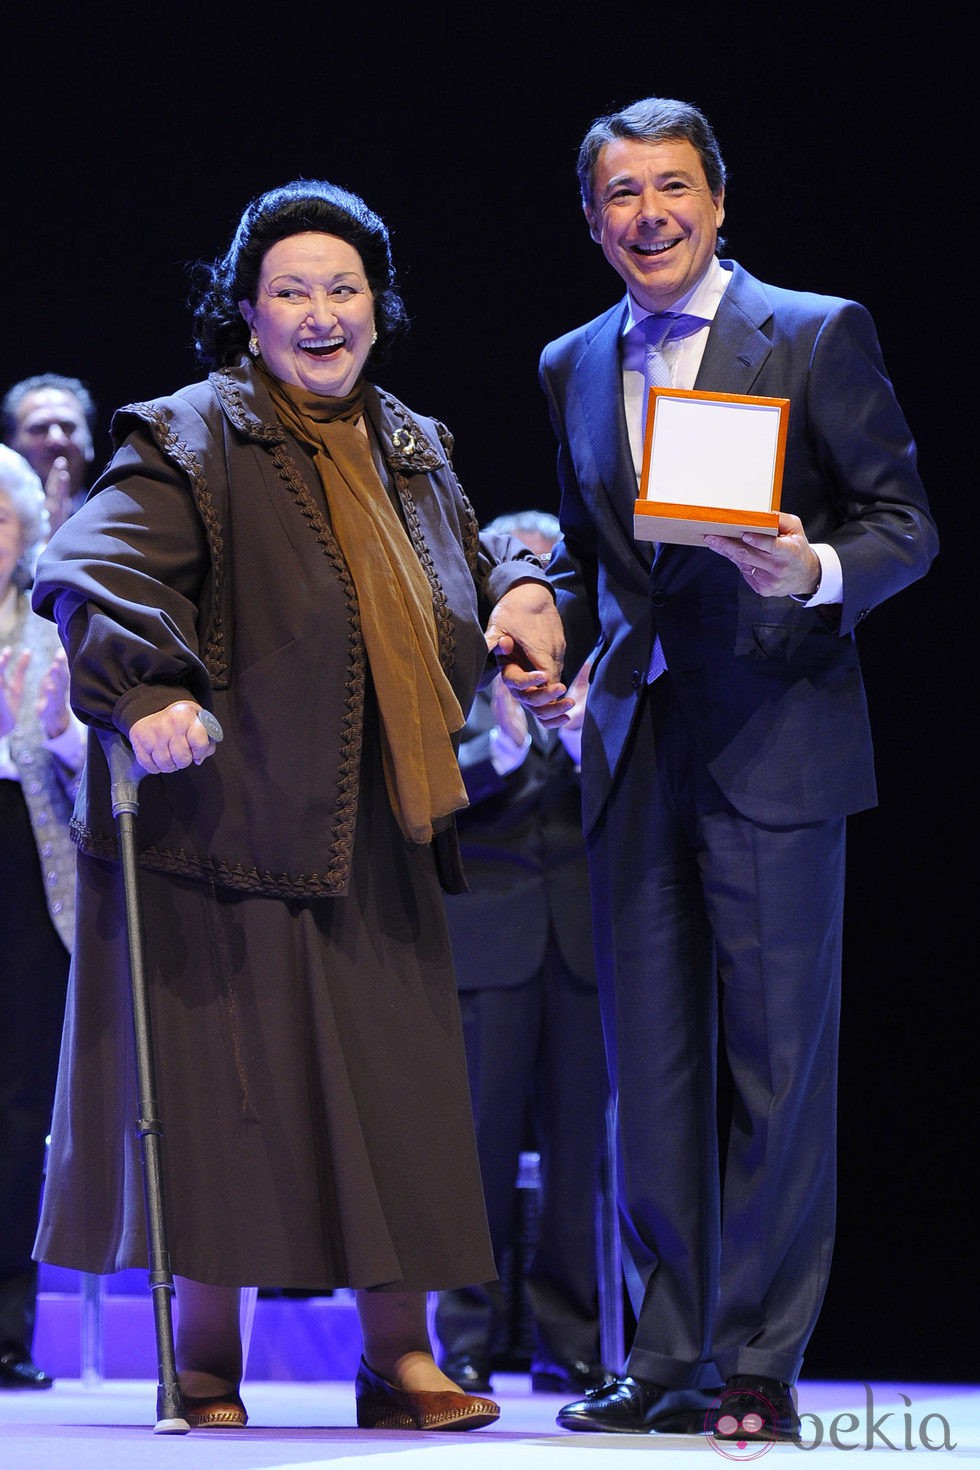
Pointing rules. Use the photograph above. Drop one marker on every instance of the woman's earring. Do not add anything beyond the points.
(374, 336)
(253, 345)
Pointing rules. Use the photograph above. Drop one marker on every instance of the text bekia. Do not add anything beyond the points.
(895, 1429)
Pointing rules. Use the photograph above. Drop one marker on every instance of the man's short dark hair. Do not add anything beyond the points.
(14, 396)
(651, 120)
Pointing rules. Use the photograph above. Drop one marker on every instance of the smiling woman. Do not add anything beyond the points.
(311, 1075)
(313, 318)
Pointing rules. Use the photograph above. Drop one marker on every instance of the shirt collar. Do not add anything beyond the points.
(701, 300)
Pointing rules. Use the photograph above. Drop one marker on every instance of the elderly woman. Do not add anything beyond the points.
(41, 750)
(285, 545)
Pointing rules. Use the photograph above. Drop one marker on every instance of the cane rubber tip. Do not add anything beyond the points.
(171, 1426)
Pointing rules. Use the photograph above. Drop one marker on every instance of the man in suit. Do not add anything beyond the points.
(522, 946)
(715, 793)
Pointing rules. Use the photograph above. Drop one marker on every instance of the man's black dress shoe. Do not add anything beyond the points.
(754, 1408)
(548, 1375)
(468, 1372)
(631, 1406)
(18, 1371)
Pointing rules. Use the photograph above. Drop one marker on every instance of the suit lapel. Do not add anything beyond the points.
(599, 382)
(600, 386)
(736, 348)
(733, 357)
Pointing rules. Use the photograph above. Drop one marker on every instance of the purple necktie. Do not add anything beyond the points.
(654, 331)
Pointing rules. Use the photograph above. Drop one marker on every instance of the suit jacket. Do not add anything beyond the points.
(772, 690)
(524, 856)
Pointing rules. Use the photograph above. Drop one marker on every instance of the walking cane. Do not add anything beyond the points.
(125, 774)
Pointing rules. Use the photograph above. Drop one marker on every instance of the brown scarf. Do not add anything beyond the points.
(418, 707)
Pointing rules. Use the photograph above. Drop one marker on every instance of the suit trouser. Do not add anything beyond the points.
(33, 980)
(534, 1051)
(707, 923)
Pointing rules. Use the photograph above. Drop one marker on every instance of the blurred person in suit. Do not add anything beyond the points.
(531, 1027)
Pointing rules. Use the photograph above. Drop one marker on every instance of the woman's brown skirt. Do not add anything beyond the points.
(311, 1080)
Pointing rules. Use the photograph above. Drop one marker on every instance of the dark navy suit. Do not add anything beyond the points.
(715, 802)
(522, 946)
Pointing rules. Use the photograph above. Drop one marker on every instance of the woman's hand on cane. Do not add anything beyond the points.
(182, 734)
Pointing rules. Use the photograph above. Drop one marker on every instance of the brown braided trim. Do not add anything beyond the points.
(348, 770)
(213, 653)
(419, 456)
(240, 876)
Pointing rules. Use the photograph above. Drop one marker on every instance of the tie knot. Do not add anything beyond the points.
(668, 326)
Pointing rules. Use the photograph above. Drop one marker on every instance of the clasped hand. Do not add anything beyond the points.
(526, 638)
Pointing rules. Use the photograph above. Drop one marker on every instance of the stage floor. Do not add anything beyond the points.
(109, 1426)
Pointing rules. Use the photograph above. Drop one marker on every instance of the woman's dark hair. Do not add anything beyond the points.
(220, 331)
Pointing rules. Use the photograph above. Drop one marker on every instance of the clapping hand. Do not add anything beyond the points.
(57, 493)
(52, 700)
(12, 671)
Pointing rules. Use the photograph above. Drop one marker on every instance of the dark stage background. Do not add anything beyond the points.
(133, 137)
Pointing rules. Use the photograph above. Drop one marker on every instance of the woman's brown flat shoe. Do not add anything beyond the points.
(382, 1406)
(223, 1411)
